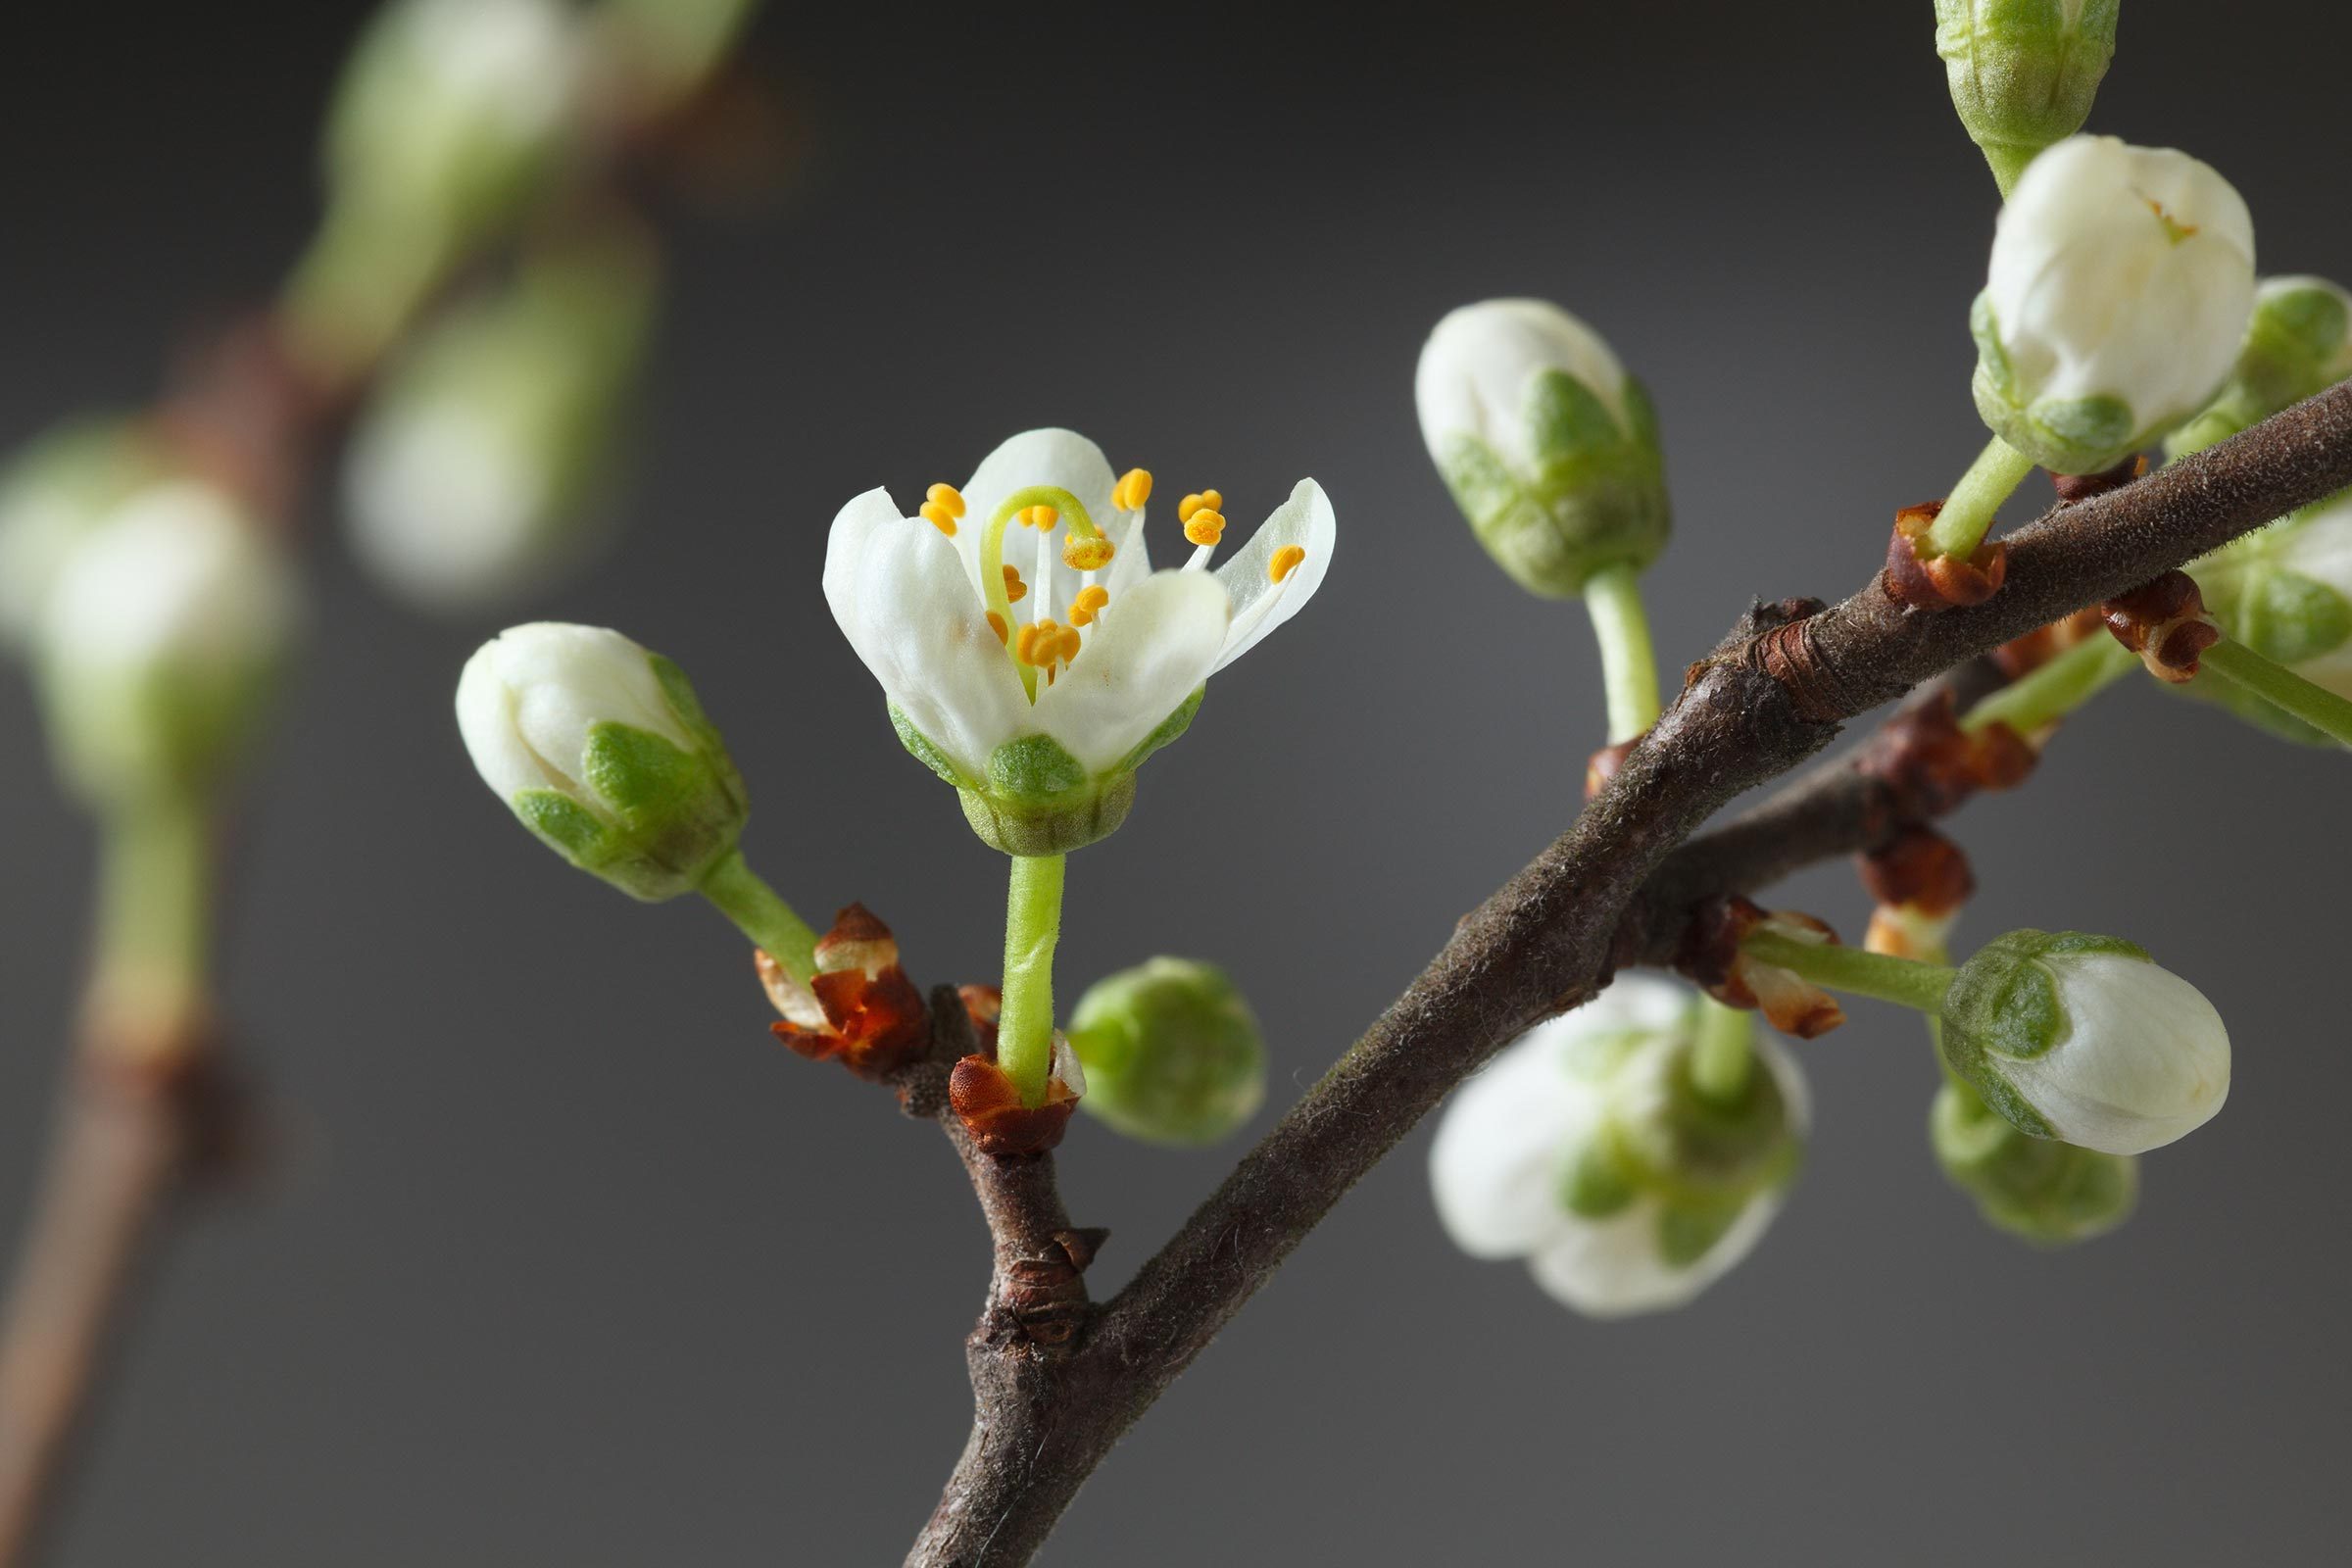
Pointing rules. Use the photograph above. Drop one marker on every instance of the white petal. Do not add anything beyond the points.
(1064, 459)
(900, 594)
(1611, 1268)
(1475, 369)
(1152, 646)
(1495, 1165)
(542, 687)
(2146, 1059)
(1260, 604)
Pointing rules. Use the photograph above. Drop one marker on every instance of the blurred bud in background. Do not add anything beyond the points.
(484, 465)
(2285, 591)
(2299, 342)
(1172, 1052)
(2039, 1189)
(53, 494)
(673, 46)
(159, 642)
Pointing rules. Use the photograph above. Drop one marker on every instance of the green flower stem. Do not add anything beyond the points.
(1032, 926)
(759, 914)
(1724, 1053)
(1902, 981)
(1967, 514)
(156, 885)
(2043, 696)
(2281, 687)
(1629, 669)
(2008, 159)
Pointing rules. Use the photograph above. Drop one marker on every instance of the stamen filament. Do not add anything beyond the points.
(992, 556)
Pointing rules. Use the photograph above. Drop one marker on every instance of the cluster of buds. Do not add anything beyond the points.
(989, 1104)
(1918, 881)
(859, 1009)
(1713, 956)
(1591, 1148)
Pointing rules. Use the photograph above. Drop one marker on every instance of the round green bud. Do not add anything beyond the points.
(2298, 343)
(601, 750)
(2023, 73)
(2086, 1040)
(1172, 1052)
(2045, 1191)
(1550, 447)
(2285, 591)
(160, 642)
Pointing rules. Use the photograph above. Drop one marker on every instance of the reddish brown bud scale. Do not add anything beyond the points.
(1939, 582)
(2164, 622)
(857, 941)
(1604, 765)
(983, 1005)
(989, 1105)
(2073, 487)
(2024, 654)
(873, 1021)
(1712, 957)
(1919, 867)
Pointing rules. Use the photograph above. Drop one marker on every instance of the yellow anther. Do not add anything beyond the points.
(1039, 516)
(1209, 500)
(1016, 590)
(996, 623)
(1087, 554)
(1133, 489)
(1088, 605)
(1285, 560)
(1204, 526)
(938, 516)
(1067, 644)
(947, 498)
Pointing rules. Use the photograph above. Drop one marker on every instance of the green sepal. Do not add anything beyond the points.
(2020, 75)
(1566, 419)
(919, 747)
(1688, 1231)
(568, 828)
(1587, 509)
(1992, 360)
(2003, 1004)
(1057, 827)
(1034, 770)
(1594, 1186)
(641, 775)
(1169, 729)
(2044, 1191)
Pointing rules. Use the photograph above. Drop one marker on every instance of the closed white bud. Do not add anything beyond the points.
(1550, 447)
(2084, 1039)
(2121, 283)
(1585, 1149)
(480, 471)
(159, 643)
(600, 749)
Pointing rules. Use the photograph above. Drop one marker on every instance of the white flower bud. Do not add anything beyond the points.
(2120, 287)
(1585, 1149)
(601, 750)
(53, 494)
(1550, 447)
(477, 472)
(450, 108)
(2084, 1039)
(157, 643)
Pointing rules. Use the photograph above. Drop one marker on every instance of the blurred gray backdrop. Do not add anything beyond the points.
(574, 1266)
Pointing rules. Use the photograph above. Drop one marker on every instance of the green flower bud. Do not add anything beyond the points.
(478, 472)
(2023, 73)
(53, 494)
(158, 644)
(2299, 342)
(1171, 1050)
(2084, 1039)
(2286, 593)
(1550, 447)
(601, 750)
(2037, 1187)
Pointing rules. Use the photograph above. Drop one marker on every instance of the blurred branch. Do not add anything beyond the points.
(1771, 695)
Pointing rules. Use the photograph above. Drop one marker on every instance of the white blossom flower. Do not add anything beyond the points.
(2084, 1039)
(159, 639)
(1031, 656)
(600, 749)
(1550, 447)
(1583, 1149)
(2120, 287)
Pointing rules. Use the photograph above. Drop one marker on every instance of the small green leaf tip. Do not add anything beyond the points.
(604, 752)
(2047, 1191)
(1550, 448)
(2023, 73)
(1172, 1052)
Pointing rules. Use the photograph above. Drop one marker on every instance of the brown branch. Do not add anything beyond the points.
(127, 1144)
(1771, 694)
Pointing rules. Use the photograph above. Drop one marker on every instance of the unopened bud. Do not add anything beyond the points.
(2286, 592)
(1172, 1052)
(1550, 447)
(2045, 1191)
(600, 749)
(2298, 343)
(2023, 73)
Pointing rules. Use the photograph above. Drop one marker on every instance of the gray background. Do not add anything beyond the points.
(575, 1266)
